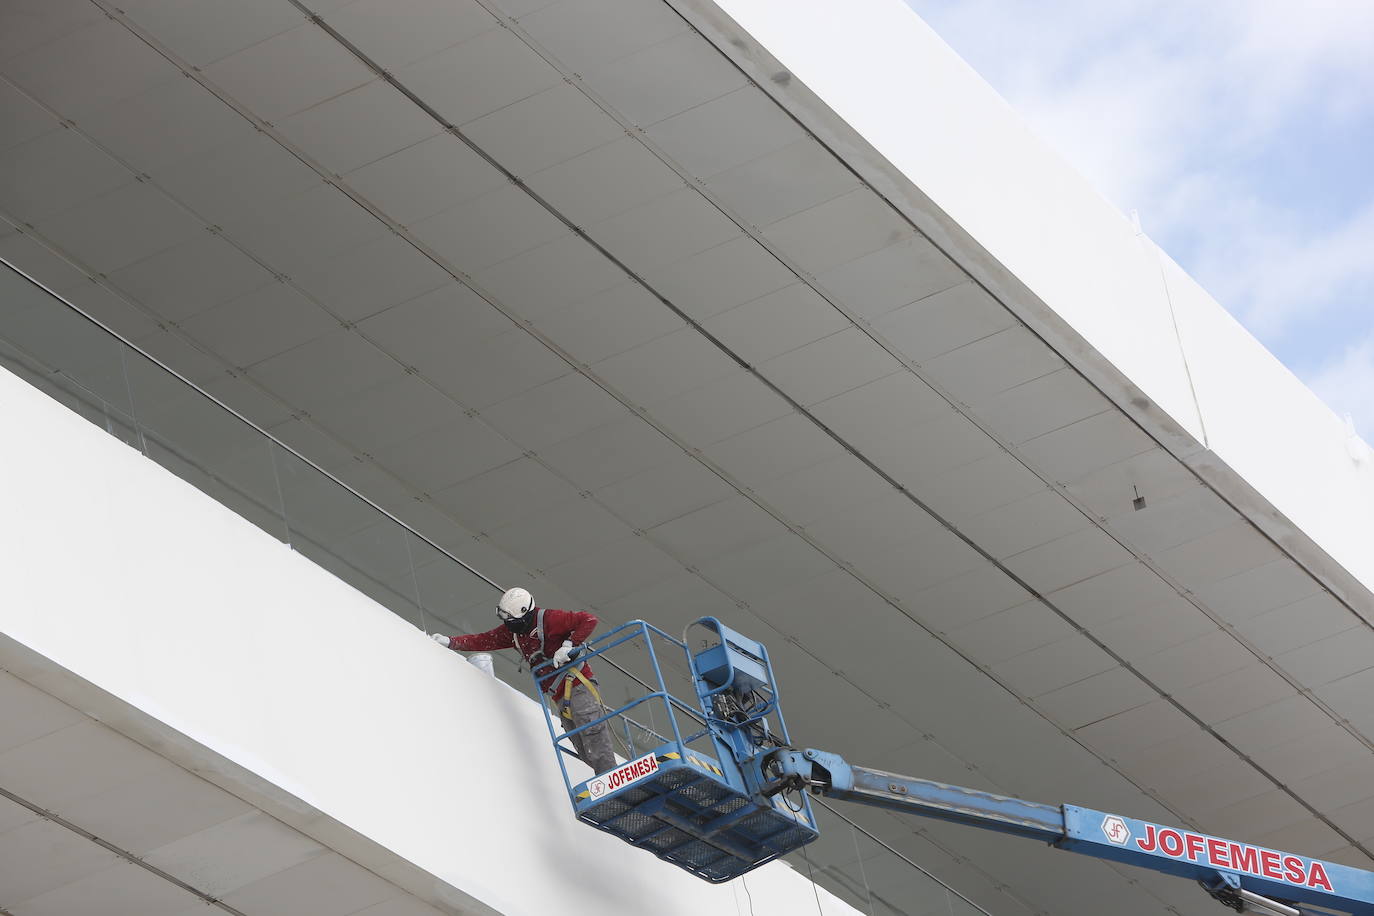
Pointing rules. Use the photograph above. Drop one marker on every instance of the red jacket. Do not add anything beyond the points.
(536, 647)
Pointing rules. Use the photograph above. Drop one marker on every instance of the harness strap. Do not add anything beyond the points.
(565, 701)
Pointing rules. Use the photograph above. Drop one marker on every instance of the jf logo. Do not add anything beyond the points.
(1115, 829)
(597, 787)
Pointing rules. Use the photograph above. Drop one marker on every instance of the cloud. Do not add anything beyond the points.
(1238, 129)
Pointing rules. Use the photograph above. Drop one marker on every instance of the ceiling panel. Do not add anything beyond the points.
(488, 229)
(720, 278)
(81, 760)
(991, 363)
(773, 449)
(446, 454)
(1299, 624)
(373, 277)
(395, 33)
(1040, 406)
(725, 526)
(1073, 558)
(553, 411)
(1086, 445)
(828, 367)
(826, 488)
(899, 398)
(288, 73)
(720, 409)
(664, 367)
(540, 130)
(1154, 474)
(202, 31)
(1276, 724)
(38, 22)
(425, 178)
(1056, 665)
(1218, 555)
(23, 118)
(232, 184)
(781, 183)
(586, 34)
(123, 889)
(1007, 634)
(1171, 623)
(614, 570)
(672, 489)
(1023, 523)
(1237, 692)
(67, 857)
(728, 131)
(1083, 702)
(121, 227)
(400, 906)
(493, 498)
(29, 713)
(758, 572)
(1338, 787)
(948, 600)
(664, 79)
(882, 281)
(776, 323)
(1332, 658)
(232, 329)
(917, 455)
(432, 327)
(297, 233)
(114, 66)
(54, 172)
(986, 483)
(328, 885)
(164, 125)
(605, 181)
(393, 412)
(668, 229)
(479, 374)
(360, 126)
(914, 570)
(607, 454)
(478, 76)
(329, 368)
(610, 322)
(539, 284)
(1166, 523)
(154, 809)
(557, 535)
(1257, 590)
(1201, 658)
(235, 853)
(838, 231)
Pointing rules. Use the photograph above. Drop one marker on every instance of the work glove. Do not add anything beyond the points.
(566, 653)
(440, 638)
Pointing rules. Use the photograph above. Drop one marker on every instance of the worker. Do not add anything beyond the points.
(548, 639)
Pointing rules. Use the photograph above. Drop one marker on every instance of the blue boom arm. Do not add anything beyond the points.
(1247, 878)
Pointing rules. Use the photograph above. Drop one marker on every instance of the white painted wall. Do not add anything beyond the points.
(894, 81)
(135, 581)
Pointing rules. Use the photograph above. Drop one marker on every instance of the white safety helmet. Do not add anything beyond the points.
(514, 604)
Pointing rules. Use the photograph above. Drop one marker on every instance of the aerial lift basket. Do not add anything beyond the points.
(686, 791)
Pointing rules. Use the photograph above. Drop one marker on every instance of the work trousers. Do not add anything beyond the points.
(593, 745)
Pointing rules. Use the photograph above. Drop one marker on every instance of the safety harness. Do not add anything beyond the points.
(564, 694)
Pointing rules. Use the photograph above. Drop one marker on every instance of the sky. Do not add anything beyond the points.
(1241, 131)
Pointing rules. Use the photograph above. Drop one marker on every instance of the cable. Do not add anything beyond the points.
(812, 875)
